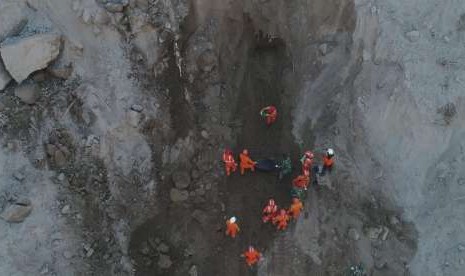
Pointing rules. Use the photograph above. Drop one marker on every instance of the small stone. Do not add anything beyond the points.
(61, 177)
(204, 134)
(137, 108)
(90, 252)
(163, 248)
(114, 7)
(366, 55)
(28, 93)
(200, 192)
(206, 61)
(61, 71)
(192, 193)
(16, 213)
(177, 195)
(50, 149)
(189, 252)
(393, 220)
(385, 233)
(2, 107)
(201, 217)
(323, 49)
(86, 16)
(193, 271)
(66, 210)
(461, 248)
(44, 269)
(195, 174)
(208, 186)
(60, 159)
(181, 179)
(68, 254)
(19, 176)
(164, 261)
(373, 232)
(413, 36)
(144, 248)
(380, 264)
(446, 39)
(353, 234)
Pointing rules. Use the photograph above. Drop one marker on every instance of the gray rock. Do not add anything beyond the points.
(2, 106)
(68, 254)
(353, 234)
(461, 248)
(163, 248)
(164, 261)
(385, 233)
(177, 195)
(208, 186)
(394, 221)
(114, 7)
(28, 93)
(193, 271)
(90, 252)
(204, 134)
(61, 71)
(201, 217)
(374, 232)
(181, 179)
(195, 173)
(24, 56)
(61, 177)
(380, 264)
(19, 176)
(5, 77)
(137, 108)
(206, 61)
(16, 213)
(60, 159)
(66, 210)
(13, 18)
(413, 36)
(44, 269)
(323, 48)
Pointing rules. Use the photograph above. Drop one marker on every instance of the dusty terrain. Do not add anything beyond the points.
(114, 115)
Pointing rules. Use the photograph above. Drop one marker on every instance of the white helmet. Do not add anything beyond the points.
(232, 220)
(330, 152)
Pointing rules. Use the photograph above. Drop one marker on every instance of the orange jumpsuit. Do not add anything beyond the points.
(231, 229)
(229, 162)
(307, 166)
(296, 208)
(327, 162)
(270, 113)
(269, 212)
(282, 220)
(246, 163)
(252, 257)
(301, 181)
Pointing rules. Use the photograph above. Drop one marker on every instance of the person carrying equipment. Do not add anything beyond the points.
(270, 113)
(229, 162)
(328, 161)
(281, 219)
(252, 256)
(231, 227)
(301, 181)
(296, 208)
(307, 162)
(270, 211)
(246, 162)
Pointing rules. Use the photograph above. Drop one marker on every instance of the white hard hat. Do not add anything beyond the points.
(232, 219)
(330, 152)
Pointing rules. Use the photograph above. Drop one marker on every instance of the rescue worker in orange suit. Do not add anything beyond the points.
(229, 162)
(296, 208)
(281, 219)
(270, 211)
(328, 161)
(307, 162)
(246, 162)
(252, 256)
(231, 227)
(270, 113)
(301, 181)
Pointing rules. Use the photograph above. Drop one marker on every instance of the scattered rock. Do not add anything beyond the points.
(2, 107)
(28, 93)
(380, 264)
(101, 17)
(189, 252)
(19, 176)
(193, 271)
(164, 261)
(323, 49)
(366, 56)
(5, 78)
(66, 210)
(90, 252)
(114, 7)
(461, 248)
(163, 248)
(181, 179)
(374, 232)
(195, 173)
(27, 55)
(394, 221)
(144, 248)
(353, 234)
(201, 217)
(16, 213)
(385, 233)
(134, 118)
(137, 108)
(208, 186)
(44, 269)
(177, 195)
(60, 159)
(68, 254)
(12, 18)
(206, 61)
(200, 192)
(204, 134)
(61, 177)
(315, 258)
(413, 36)
(61, 71)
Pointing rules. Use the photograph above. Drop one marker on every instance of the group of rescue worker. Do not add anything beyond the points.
(271, 212)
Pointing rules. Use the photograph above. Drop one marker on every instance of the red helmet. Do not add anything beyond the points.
(309, 154)
(282, 212)
(245, 151)
(271, 202)
(295, 199)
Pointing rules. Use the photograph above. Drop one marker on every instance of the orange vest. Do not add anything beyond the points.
(327, 162)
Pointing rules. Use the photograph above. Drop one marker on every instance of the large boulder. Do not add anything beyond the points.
(12, 18)
(5, 78)
(24, 56)
(17, 213)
